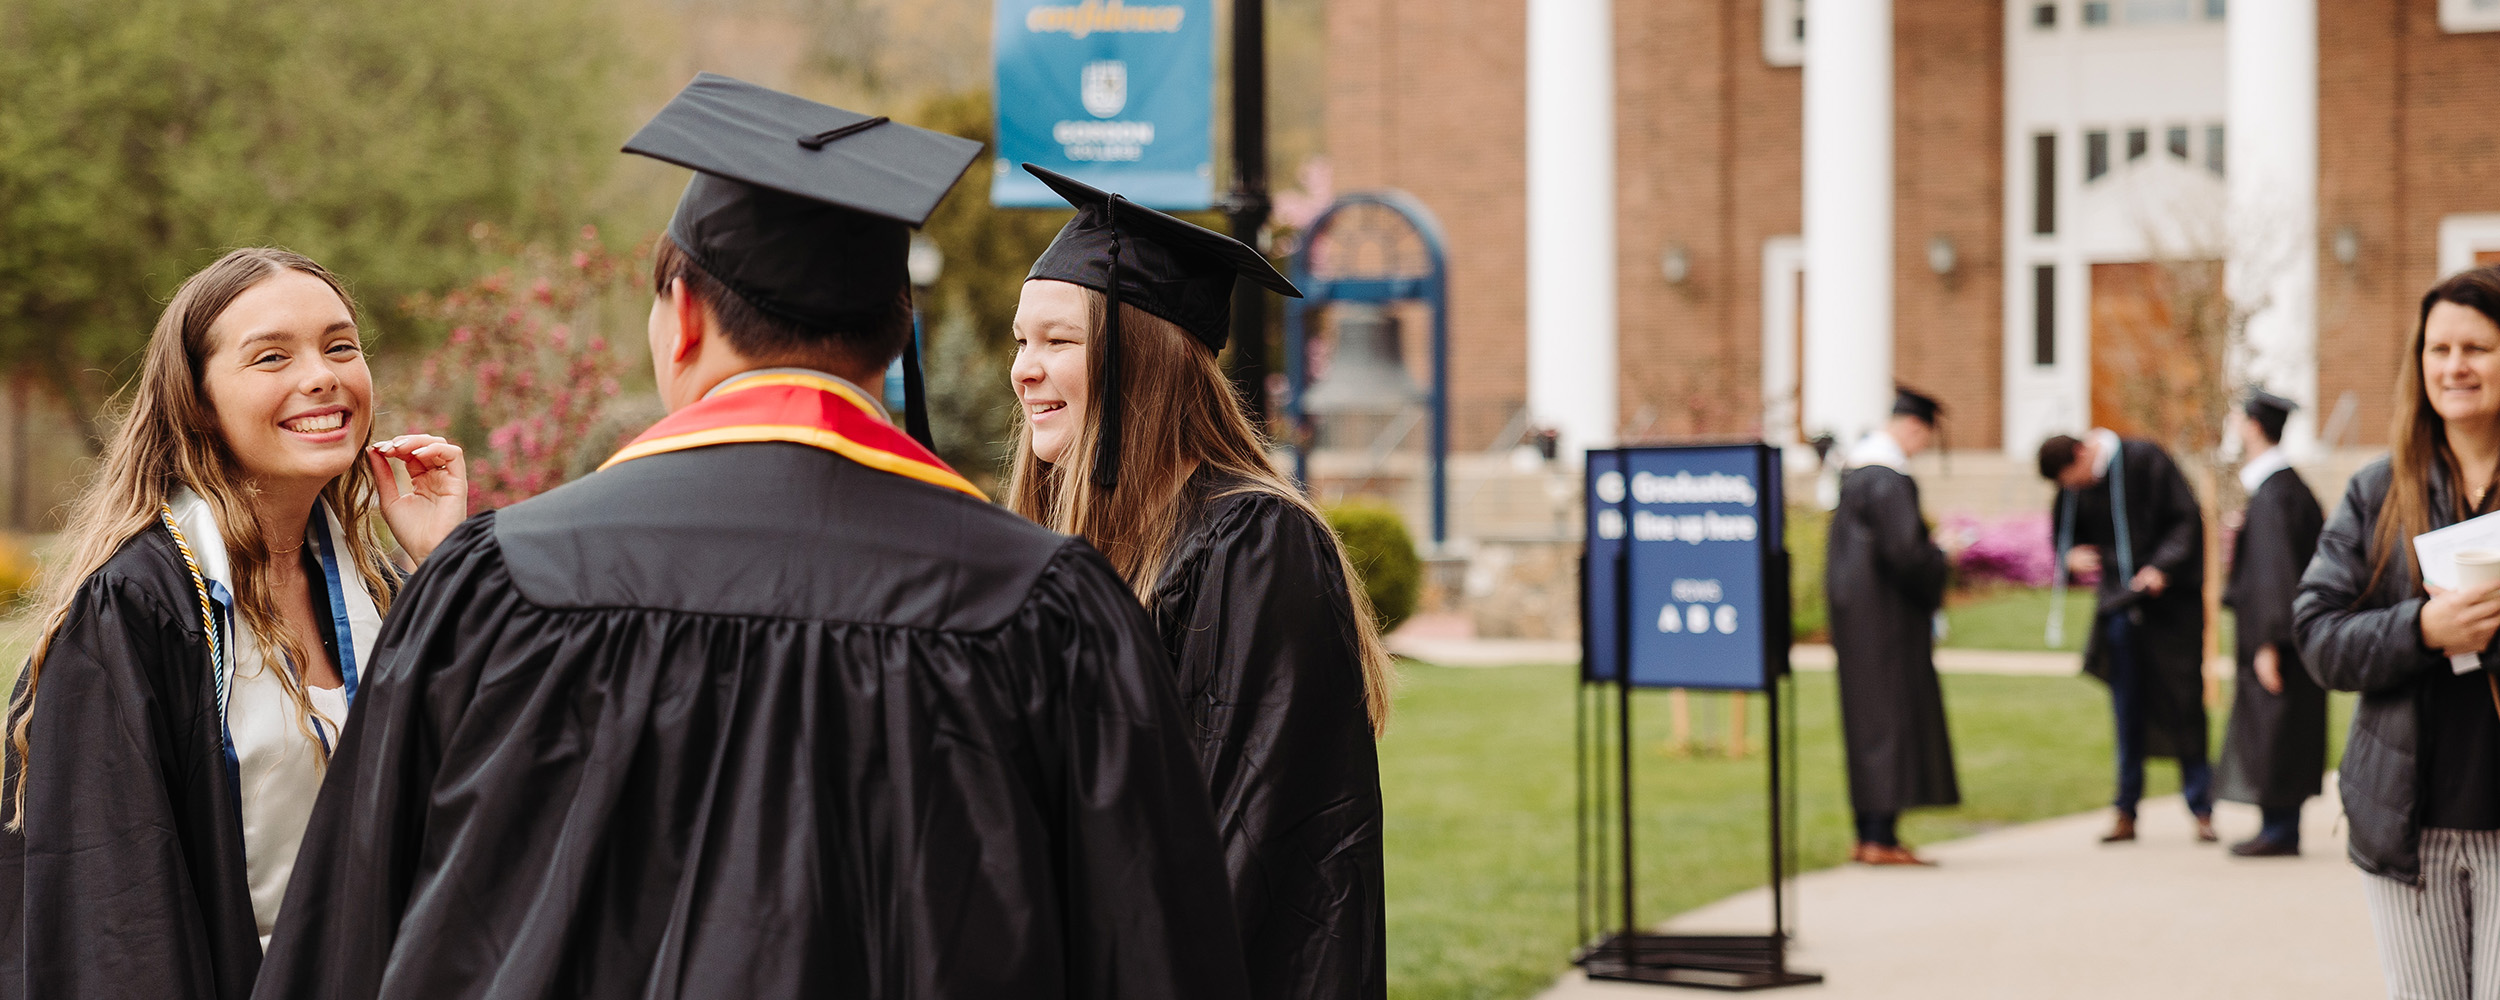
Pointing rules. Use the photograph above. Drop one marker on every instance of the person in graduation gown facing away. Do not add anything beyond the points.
(2274, 750)
(220, 589)
(1133, 440)
(1885, 578)
(2124, 509)
(774, 704)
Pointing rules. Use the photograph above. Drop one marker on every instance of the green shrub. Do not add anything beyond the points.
(1808, 615)
(1383, 554)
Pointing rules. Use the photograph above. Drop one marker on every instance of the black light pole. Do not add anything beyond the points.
(1247, 204)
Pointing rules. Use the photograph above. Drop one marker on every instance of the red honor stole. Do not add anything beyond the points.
(802, 409)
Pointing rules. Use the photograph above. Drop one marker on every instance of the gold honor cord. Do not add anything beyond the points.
(208, 612)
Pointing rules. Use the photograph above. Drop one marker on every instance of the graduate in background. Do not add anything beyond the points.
(2123, 509)
(774, 704)
(1885, 579)
(1133, 440)
(2274, 752)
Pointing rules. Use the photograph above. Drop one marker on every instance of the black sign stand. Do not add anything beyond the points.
(1626, 952)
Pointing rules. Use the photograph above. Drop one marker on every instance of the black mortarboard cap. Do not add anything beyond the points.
(804, 210)
(1909, 402)
(2269, 411)
(1168, 267)
(1136, 255)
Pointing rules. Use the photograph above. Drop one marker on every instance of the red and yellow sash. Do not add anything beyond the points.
(799, 408)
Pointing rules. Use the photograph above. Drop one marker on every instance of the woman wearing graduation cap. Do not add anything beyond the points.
(222, 588)
(1132, 439)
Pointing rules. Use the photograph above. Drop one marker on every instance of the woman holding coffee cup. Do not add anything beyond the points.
(2420, 777)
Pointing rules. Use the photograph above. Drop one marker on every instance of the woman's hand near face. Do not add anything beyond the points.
(438, 490)
(2461, 620)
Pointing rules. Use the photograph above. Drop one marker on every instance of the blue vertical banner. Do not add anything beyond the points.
(1116, 94)
(1687, 540)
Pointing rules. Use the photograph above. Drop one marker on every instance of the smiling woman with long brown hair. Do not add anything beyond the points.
(201, 641)
(1133, 440)
(2420, 777)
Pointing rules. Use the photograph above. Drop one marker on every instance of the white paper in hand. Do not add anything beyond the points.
(2436, 552)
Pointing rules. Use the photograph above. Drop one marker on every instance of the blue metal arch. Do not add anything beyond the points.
(1431, 288)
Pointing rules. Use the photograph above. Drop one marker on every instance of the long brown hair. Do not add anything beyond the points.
(1178, 414)
(168, 438)
(2418, 435)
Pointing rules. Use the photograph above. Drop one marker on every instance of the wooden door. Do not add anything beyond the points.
(2154, 339)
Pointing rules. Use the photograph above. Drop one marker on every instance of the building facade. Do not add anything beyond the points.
(1749, 227)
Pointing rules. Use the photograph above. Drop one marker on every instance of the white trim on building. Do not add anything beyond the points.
(2463, 236)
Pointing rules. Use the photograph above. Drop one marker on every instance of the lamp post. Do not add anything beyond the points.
(1247, 204)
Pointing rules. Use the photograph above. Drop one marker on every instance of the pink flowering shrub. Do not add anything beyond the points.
(522, 382)
(2011, 549)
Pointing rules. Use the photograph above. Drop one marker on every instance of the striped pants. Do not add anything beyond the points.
(2442, 941)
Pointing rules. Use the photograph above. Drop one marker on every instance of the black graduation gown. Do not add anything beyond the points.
(2274, 751)
(2166, 529)
(128, 880)
(755, 721)
(1885, 579)
(1254, 609)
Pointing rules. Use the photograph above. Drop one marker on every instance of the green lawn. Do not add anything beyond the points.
(1478, 779)
(2017, 617)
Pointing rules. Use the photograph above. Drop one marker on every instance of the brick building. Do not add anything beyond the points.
(2052, 168)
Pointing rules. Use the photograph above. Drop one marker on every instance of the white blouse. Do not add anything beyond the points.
(277, 766)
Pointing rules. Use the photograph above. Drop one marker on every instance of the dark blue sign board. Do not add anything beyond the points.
(1685, 574)
(1118, 95)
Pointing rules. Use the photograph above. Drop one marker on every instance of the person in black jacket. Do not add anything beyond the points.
(1133, 440)
(2274, 753)
(2123, 509)
(2420, 777)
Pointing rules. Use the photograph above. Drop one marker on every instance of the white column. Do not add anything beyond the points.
(1571, 221)
(1848, 217)
(2271, 148)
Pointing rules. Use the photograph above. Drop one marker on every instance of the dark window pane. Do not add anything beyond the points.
(2135, 144)
(2177, 141)
(2096, 12)
(2214, 10)
(2044, 183)
(2213, 148)
(2095, 155)
(2044, 15)
(2044, 315)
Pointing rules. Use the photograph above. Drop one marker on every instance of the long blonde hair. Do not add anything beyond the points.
(1179, 413)
(168, 438)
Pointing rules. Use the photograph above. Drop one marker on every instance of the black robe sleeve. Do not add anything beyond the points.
(2274, 547)
(1909, 559)
(1263, 638)
(127, 878)
(2178, 523)
(602, 802)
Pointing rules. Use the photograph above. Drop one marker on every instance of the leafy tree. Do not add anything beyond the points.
(140, 137)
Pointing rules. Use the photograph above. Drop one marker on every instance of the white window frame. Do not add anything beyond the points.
(1780, 44)
(2462, 236)
(2459, 16)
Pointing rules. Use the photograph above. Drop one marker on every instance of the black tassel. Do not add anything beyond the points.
(915, 399)
(1107, 395)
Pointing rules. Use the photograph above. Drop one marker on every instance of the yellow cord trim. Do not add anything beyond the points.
(883, 461)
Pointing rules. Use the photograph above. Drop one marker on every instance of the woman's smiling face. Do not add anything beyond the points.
(2461, 363)
(1053, 320)
(286, 376)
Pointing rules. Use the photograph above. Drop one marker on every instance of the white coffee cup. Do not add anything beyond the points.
(2478, 567)
(2475, 568)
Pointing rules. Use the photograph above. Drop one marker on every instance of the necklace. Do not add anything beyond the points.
(299, 546)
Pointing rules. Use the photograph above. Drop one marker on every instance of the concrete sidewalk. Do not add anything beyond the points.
(2043, 910)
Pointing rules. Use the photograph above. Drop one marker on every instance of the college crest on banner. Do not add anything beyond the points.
(1116, 94)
